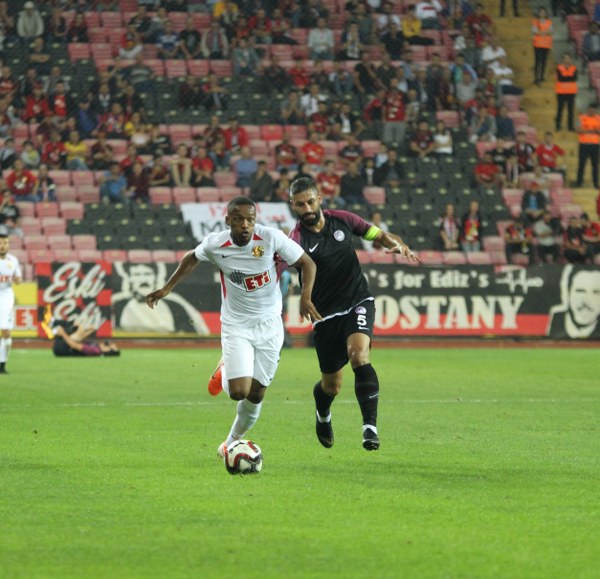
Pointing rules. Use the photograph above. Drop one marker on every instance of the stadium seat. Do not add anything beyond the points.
(429, 257)
(82, 178)
(175, 68)
(364, 256)
(79, 51)
(54, 225)
(20, 254)
(161, 195)
(111, 20)
(84, 241)
(59, 242)
(88, 194)
(40, 255)
(36, 241)
(382, 257)
(89, 255)
(222, 68)
(163, 255)
(46, 209)
(224, 179)
(139, 256)
(199, 68)
(26, 209)
(454, 258)
(492, 243)
(66, 193)
(113, 255)
(479, 258)
(229, 192)
(375, 195)
(184, 195)
(65, 255)
(498, 257)
(102, 51)
(208, 194)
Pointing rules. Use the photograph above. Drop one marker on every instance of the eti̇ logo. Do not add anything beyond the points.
(255, 282)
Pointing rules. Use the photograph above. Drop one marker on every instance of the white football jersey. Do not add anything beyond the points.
(9, 270)
(249, 286)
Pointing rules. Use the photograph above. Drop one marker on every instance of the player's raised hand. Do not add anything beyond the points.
(308, 310)
(153, 298)
(404, 251)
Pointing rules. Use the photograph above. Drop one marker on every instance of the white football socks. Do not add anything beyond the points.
(5, 344)
(370, 427)
(247, 415)
(321, 419)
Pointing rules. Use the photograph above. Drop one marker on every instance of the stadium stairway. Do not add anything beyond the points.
(514, 34)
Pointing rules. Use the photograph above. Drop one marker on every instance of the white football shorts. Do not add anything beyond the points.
(253, 351)
(7, 315)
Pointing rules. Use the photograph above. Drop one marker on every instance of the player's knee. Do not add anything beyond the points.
(358, 357)
(331, 387)
(237, 394)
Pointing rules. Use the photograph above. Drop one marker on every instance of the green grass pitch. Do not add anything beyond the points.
(489, 467)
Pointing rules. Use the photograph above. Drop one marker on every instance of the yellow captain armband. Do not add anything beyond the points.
(371, 233)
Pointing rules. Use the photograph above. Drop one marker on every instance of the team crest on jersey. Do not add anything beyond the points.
(258, 251)
(360, 310)
(339, 235)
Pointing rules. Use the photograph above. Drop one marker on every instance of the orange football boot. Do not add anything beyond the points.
(215, 384)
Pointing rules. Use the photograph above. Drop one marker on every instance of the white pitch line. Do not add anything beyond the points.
(189, 403)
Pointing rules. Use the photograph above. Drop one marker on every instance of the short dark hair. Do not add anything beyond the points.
(239, 201)
(302, 184)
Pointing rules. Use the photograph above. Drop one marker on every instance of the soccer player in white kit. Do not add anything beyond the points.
(10, 272)
(251, 323)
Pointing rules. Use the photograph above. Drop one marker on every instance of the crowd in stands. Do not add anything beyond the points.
(372, 98)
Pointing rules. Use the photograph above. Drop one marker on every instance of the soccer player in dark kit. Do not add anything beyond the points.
(341, 295)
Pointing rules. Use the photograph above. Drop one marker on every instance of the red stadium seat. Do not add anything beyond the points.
(163, 255)
(60, 177)
(139, 256)
(82, 178)
(208, 194)
(375, 195)
(184, 195)
(26, 208)
(479, 258)
(113, 255)
(79, 51)
(84, 241)
(47, 209)
(224, 178)
(271, 132)
(493, 243)
(111, 20)
(65, 255)
(431, 257)
(35, 242)
(71, 210)
(229, 192)
(175, 68)
(161, 195)
(89, 255)
(54, 225)
(59, 242)
(198, 68)
(88, 194)
(454, 258)
(222, 68)
(40, 255)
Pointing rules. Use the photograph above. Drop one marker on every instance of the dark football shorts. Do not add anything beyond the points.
(331, 335)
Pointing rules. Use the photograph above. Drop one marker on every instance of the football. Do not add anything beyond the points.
(243, 457)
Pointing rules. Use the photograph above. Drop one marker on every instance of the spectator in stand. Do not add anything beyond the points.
(8, 153)
(159, 21)
(143, 23)
(566, 91)
(190, 45)
(352, 152)
(549, 155)
(352, 45)
(138, 133)
(191, 95)
(55, 26)
(319, 76)
(464, 91)
(260, 26)
(309, 13)
(312, 153)
(29, 23)
(393, 41)
(77, 153)
(430, 13)
(131, 43)
(487, 174)
(7, 23)
(138, 184)
(299, 74)
(22, 183)
(505, 126)
(203, 168)
(158, 170)
(367, 25)
(217, 96)
(180, 167)
(389, 173)
(103, 100)
(385, 18)
(261, 184)
(411, 29)
(54, 153)
(274, 77)
(591, 44)
(245, 59)
(525, 153)
(220, 156)
(114, 122)
(542, 32)
(9, 214)
(386, 71)
(235, 135)
(376, 220)
(449, 229)
(588, 128)
(329, 184)
(575, 248)
(533, 203)
(215, 44)
(471, 229)
(39, 57)
(394, 117)
(140, 75)
(7, 118)
(281, 187)
(167, 42)
(483, 128)
(459, 68)
(591, 235)
(101, 153)
(30, 156)
(127, 162)
(61, 103)
(78, 30)
(113, 185)
(36, 106)
(421, 142)
(518, 238)
(46, 186)
(286, 154)
(503, 75)
(310, 101)
(340, 80)
(545, 233)
(366, 82)
(352, 186)
(442, 138)
(480, 25)
(492, 52)
(245, 167)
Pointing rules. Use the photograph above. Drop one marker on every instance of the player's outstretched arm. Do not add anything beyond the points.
(309, 271)
(394, 244)
(185, 267)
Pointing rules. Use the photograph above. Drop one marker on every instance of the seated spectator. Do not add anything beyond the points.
(442, 138)
(113, 185)
(190, 45)
(261, 184)
(340, 80)
(329, 185)
(114, 122)
(22, 183)
(533, 203)
(545, 232)
(281, 187)
(54, 153)
(352, 186)
(158, 170)
(36, 106)
(381, 156)
(591, 43)
(480, 25)
(421, 142)
(8, 153)
(46, 186)
(411, 28)
(319, 76)
(280, 28)
(366, 82)
(39, 57)
(393, 41)
(505, 126)
(471, 229)
(487, 173)
(483, 128)
(167, 42)
(131, 43)
(312, 153)
(366, 22)
(385, 18)
(129, 160)
(320, 41)
(139, 75)
(180, 167)
(217, 96)
(286, 154)
(203, 169)
(215, 44)
(525, 153)
(9, 214)
(492, 52)
(275, 77)
(429, 13)
(352, 152)
(245, 167)
(78, 30)
(260, 27)
(30, 156)
(7, 118)
(591, 235)
(138, 183)
(464, 91)
(235, 135)
(375, 219)
(575, 248)
(518, 238)
(310, 101)
(291, 112)
(220, 156)
(352, 45)
(386, 71)
(389, 173)
(245, 59)
(345, 120)
(503, 76)
(143, 23)
(299, 74)
(55, 26)
(29, 23)
(449, 229)
(191, 95)
(550, 157)
(394, 117)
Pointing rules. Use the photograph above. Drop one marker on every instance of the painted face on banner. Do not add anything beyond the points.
(584, 297)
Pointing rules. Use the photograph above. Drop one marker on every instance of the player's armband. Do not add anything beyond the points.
(371, 233)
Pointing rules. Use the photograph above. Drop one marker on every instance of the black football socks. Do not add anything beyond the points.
(366, 388)
(323, 402)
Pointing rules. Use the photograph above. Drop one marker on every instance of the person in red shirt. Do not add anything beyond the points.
(480, 25)
(518, 238)
(54, 153)
(286, 154)
(394, 117)
(329, 183)
(319, 121)
(22, 183)
(202, 168)
(130, 159)
(470, 228)
(421, 141)
(36, 106)
(236, 136)
(260, 26)
(299, 74)
(312, 153)
(591, 235)
(487, 173)
(61, 104)
(548, 155)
